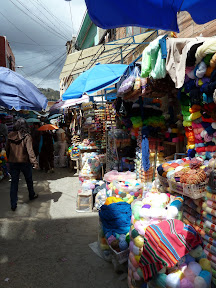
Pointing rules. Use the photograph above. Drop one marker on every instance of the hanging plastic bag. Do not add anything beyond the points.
(128, 84)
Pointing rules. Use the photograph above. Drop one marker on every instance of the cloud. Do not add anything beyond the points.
(40, 46)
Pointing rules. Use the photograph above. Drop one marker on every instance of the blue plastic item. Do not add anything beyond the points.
(156, 14)
(95, 79)
(18, 93)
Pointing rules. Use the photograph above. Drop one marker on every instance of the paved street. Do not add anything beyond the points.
(44, 244)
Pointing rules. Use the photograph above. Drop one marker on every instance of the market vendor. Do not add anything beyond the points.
(61, 139)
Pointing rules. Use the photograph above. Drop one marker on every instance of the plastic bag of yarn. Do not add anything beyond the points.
(132, 82)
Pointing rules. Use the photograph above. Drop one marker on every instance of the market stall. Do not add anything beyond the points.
(160, 170)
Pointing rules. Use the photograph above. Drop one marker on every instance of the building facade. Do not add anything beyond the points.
(7, 58)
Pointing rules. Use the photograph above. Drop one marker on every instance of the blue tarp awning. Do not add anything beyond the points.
(95, 79)
(18, 93)
(155, 14)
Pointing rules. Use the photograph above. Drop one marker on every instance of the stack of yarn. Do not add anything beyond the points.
(90, 164)
(192, 271)
(198, 100)
(3, 166)
(185, 170)
(153, 209)
(201, 214)
(110, 116)
(126, 190)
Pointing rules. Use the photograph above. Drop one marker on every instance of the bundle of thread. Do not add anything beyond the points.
(201, 214)
(184, 170)
(126, 190)
(198, 94)
(192, 271)
(154, 208)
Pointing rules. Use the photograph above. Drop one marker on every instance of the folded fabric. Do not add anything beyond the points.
(211, 196)
(208, 210)
(209, 240)
(208, 47)
(165, 244)
(200, 69)
(197, 125)
(209, 71)
(209, 247)
(213, 61)
(191, 59)
(210, 255)
(195, 115)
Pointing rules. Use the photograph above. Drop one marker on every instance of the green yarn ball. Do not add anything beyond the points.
(134, 233)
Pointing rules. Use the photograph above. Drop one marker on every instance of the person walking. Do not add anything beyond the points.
(36, 135)
(46, 152)
(21, 157)
(61, 137)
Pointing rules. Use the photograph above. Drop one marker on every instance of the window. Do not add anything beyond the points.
(133, 30)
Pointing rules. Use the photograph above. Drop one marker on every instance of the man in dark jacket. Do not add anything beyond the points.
(21, 157)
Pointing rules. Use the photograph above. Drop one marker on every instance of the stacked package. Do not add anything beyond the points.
(198, 100)
(201, 214)
(153, 209)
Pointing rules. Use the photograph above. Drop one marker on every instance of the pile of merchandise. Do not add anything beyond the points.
(185, 176)
(3, 166)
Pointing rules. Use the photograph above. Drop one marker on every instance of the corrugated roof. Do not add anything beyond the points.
(111, 52)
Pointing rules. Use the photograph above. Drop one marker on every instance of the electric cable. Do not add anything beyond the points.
(40, 22)
(53, 70)
(63, 32)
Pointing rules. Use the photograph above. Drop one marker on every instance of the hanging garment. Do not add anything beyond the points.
(177, 50)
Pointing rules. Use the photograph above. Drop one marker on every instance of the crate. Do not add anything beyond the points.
(194, 191)
(163, 181)
(120, 257)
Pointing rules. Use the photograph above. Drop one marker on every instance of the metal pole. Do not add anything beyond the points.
(121, 56)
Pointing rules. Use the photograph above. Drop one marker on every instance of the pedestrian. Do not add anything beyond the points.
(36, 135)
(3, 131)
(21, 157)
(61, 137)
(46, 152)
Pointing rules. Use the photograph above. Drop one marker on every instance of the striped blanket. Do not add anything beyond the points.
(165, 244)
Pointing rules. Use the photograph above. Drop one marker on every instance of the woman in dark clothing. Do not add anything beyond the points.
(46, 156)
(21, 157)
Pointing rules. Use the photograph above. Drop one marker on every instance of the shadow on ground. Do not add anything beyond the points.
(44, 244)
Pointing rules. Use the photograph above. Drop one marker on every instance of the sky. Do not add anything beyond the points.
(37, 31)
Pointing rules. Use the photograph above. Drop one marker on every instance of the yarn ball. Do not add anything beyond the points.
(111, 239)
(173, 281)
(205, 264)
(197, 252)
(134, 233)
(117, 235)
(179, 273)
(136, 250)
(201, 257)
(131, 246)
(199, 282)
(122, 237)
(127, 238)
(189, 258)
(137, 258)
(139, 241)
(159, 280)
(195, 268)
(123, 245)
(189, 275)
(115, 244)
(206, 275)
(185, 283)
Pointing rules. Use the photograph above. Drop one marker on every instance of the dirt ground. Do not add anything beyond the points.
(44, 243)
